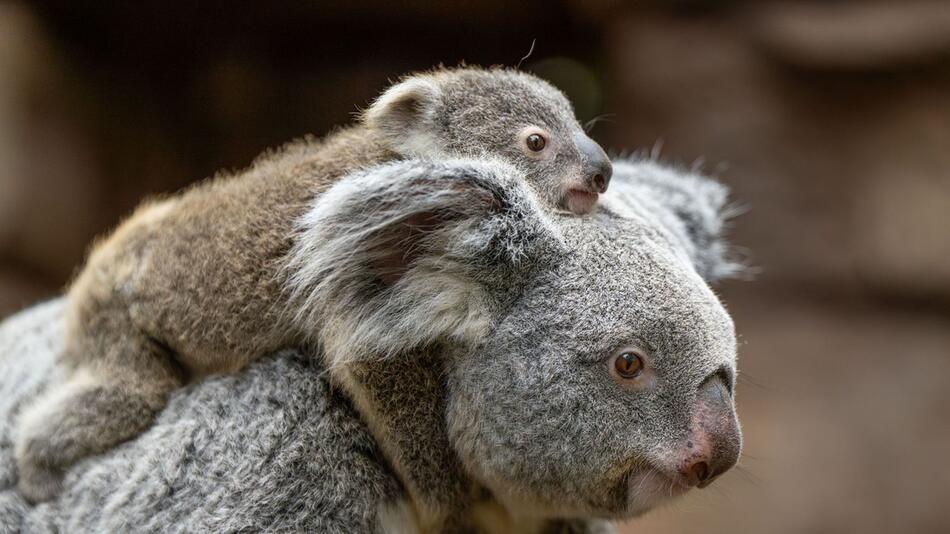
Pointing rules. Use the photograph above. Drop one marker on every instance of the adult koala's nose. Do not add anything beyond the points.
(715, 442)
(596, 165)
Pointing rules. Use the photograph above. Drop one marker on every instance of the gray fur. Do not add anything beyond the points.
(437, 226)
(518, 419)
(692, 207)
(273, 449)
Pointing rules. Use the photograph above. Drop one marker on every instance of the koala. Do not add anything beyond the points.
(523, 370)
(511, 370)
(191, 285)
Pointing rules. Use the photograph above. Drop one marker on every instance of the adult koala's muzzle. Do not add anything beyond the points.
(714, 441)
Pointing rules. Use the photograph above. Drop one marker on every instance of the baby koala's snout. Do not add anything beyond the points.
(597, 168)
(715, 442)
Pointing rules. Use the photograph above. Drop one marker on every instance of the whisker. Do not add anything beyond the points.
(722, 492)
(605, 117)
(748, 476)
(526, 56)
(745, 379)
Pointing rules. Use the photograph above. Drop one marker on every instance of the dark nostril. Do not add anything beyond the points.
(700, 472)
(599, 183)
(696, 474)
(601, 178)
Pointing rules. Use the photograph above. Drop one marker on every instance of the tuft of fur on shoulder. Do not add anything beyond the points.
(394, 257)
(694, 207)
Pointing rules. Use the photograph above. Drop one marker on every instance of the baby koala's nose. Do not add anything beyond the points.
(596, 165)
(601, 179)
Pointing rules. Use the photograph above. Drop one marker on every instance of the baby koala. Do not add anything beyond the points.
(195, 284)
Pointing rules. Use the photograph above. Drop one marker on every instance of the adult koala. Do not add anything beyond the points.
(484, 366)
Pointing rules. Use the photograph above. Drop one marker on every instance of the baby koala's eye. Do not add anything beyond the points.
(536, 142)
(629, 365)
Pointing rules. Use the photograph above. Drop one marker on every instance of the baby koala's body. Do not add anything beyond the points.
(195, 284)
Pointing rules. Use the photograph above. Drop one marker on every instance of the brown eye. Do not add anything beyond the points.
(629, 365)
(536, 142)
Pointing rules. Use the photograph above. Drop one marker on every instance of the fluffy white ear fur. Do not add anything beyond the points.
(404, 116)
(383, 261)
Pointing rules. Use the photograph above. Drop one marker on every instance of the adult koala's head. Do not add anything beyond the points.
(590, 367)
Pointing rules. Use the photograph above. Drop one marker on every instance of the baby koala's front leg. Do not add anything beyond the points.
(97, 408)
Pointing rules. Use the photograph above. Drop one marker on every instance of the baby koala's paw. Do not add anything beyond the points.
(37, 483)
(41, 452)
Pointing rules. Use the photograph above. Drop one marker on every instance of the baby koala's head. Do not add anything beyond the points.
(496, 113)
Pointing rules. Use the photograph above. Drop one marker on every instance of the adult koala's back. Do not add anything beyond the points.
(275, 448)
(492, 367)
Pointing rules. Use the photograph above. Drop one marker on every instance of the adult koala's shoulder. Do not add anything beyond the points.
(274, 449)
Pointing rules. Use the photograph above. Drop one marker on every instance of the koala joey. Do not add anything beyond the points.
(574, 370)
(192, 285)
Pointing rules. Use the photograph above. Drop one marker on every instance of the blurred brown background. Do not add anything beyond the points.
(830, 121)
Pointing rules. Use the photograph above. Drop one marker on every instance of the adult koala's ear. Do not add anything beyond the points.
(692, 207)
(404, 116)
(410, 253)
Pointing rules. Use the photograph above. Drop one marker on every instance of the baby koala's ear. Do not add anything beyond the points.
(692, 207)
(404, 117)
(407, 254)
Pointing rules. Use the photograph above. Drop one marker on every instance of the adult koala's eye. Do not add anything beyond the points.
(629, 365)
(536, 142)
